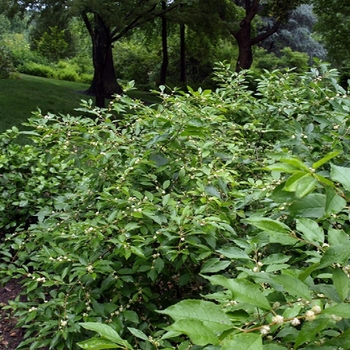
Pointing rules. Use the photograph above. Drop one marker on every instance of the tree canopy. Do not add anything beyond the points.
(245, 22)
(244, 30)
(333, 25)
(106, 22)
(297, 33)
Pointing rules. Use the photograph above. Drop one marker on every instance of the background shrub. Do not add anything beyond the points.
(6, 63)
(67, 74)
(37, 69)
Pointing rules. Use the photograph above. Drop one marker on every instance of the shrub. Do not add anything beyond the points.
(37, 69)
(52, 44)
(85, 78)
(67, 74)
(6, 63)
(224, 211)
(20, 50)
(287, 60)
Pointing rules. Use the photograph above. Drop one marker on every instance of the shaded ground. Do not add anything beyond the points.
(10, 336)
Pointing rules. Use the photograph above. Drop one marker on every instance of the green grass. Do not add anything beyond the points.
(146, 96)
(20, 97)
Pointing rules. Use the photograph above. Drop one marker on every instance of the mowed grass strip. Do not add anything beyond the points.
(20, 97)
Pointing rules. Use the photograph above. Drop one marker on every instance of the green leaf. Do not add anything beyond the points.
(131, 316)
(328, 290)
(291, 184)
(137, 251)
(341, 341)
(196, 330)
(159, 158)
(286, 168)
(159, 264)
(274, 347)
(336, 237)
(334, 203)
(275, 259)
(292, 311)
(243, 291)
(215, 265)
(310, 329)
(106, 332)
(207, 312)
(306, 184)
(341, 174)
(311, 206)
(278, 231)
(157, 218)
(310, 230)
(138, 334)
(131, 226)
(323, 180)
(233, 253)
(326, 158)
(341, 309)
(341, 283)
(166, 184)
(269, 225)
(279, 195)
(98, 344)
(212, 191)
(243, 341)
(307, 272)
(293, 286)
(338, 254)
(31, 316)
(165, 199)
(112, 216)
(295, 162)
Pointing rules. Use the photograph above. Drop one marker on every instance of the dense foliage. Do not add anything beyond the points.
(226, 210)
(212, 33)
(6, 63)
(333, 24)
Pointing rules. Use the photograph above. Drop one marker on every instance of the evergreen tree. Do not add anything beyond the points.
(297, 33)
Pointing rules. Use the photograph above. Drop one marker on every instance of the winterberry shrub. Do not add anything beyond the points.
(214, 219)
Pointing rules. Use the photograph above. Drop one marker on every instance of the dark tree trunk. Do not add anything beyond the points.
(104, 82)
(182, 54)
(243, 36)
(165, 62)
(245, 52)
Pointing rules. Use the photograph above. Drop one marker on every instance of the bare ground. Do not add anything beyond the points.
(10, 336)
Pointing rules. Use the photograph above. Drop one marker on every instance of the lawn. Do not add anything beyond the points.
(20, 97)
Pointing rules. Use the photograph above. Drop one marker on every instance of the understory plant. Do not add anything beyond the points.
(212, 220)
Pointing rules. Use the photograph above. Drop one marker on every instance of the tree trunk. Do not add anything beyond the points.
(182, 54)
(104, 82)
(245, 52)
(165, 61)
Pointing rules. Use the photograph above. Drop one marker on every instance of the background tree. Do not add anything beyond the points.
(51, 32)
(52, 44)
(243, 31)
(199, 31)
(106, 22)
(297, 34)
(333, 25)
